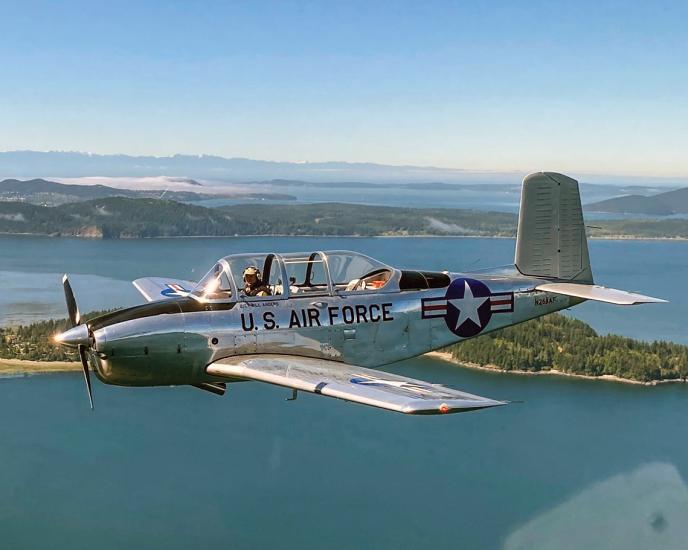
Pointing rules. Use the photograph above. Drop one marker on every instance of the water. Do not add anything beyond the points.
(494, 198)
(499, 198)
(102, 271)
(176, 468)
(579, 464)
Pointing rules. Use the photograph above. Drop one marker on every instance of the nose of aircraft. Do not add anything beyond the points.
(74, 337)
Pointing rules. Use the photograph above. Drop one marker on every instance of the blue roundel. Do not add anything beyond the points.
(468, 307)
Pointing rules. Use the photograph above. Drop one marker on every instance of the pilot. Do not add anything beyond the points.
(253, 284)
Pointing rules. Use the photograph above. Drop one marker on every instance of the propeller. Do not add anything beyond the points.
(72, 309)
(87, 373)
(77, 335)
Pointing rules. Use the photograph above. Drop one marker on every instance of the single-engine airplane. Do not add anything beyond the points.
(321, 322)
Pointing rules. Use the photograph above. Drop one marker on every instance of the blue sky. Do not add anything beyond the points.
(587, 87)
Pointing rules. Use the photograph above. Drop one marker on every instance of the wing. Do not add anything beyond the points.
(161, 288)
(350, 383)
(599, 294)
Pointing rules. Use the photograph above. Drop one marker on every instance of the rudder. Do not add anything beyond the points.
(551, 241)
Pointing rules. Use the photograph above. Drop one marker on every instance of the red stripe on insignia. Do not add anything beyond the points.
(433, 308)
(501, 302)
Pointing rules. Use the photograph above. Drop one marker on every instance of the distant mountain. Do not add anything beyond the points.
(662, 204)
(216, 169)
(51, 193)
(23, 164)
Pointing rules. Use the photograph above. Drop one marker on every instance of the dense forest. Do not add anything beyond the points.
(571, 346)
(120, 217)
(124, 217)
(551, 342)
(34, 342)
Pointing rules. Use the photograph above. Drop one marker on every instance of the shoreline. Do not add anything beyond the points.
(23, 367)
(446, 356)
(16, 367)
(316, 236)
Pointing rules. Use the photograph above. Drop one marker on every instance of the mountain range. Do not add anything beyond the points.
(661, 204)
(76, 164)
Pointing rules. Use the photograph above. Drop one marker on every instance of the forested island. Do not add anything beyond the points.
(34, 342)
(125, 217)
(554, 343)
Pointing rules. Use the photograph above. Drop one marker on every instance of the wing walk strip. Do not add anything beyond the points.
(356, 384)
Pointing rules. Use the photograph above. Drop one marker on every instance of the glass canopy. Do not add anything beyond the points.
(292, 275)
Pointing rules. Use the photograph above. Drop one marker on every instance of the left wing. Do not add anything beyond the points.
(350, 383)
(161, 288)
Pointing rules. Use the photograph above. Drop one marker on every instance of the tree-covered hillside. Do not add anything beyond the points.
(120, 217)
(34, 342)
(571, 346)
(661, 204)
(124, 217)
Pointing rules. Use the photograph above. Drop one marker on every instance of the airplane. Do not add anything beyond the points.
(323, 321)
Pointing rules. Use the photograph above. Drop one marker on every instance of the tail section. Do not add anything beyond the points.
(551, 240)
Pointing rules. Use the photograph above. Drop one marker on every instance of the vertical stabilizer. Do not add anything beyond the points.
(551, 240)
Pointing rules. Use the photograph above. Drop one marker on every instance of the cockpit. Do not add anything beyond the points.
(267, 276)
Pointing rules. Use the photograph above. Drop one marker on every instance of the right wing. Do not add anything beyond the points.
(161, 288)
(350, 383)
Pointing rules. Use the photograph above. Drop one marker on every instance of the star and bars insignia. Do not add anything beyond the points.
(174, 289)
(467, 306)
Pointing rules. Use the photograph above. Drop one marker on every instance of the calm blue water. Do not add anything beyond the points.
(579, 464)
(178, 468)
(102, 271)
(496, 198)
(486, 198)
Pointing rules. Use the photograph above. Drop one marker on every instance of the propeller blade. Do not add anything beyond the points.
(87, 373)
(73, 310)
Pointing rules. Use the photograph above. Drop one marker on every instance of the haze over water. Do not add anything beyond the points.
(176, 467)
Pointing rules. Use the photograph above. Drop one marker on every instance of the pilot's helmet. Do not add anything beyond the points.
(251, 274)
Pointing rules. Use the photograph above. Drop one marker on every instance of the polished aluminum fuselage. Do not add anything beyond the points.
(172, 341)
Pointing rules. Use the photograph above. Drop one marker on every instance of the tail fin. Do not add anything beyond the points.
(551, 240)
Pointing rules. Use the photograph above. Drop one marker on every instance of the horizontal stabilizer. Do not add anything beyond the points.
(356, 384)
(599, 293)
(162, 288)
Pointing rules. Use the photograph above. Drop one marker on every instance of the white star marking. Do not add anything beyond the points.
(468, 306)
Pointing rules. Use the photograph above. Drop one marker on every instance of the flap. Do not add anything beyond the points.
(350, 383)
(599, 293)
(162, 288)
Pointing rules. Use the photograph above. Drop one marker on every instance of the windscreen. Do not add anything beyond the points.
(214, 285)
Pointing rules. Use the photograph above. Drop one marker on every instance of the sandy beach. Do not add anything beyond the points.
(10, 367)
